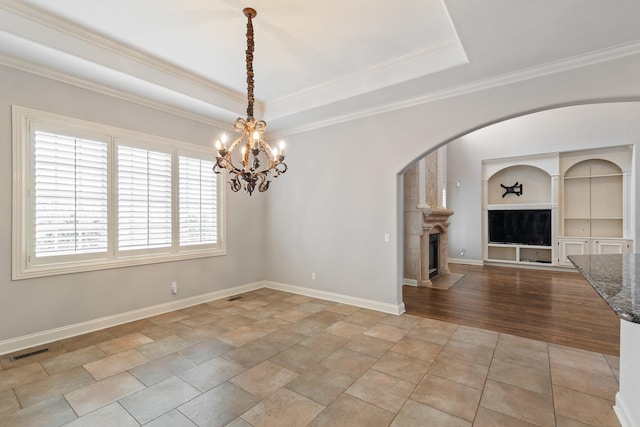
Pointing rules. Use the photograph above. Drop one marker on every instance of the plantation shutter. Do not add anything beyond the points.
(70, 195)
(144, 199)
(197, 202)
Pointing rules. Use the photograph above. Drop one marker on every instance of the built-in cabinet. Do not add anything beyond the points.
(593, 205)
(595, 200)
(538, 177)
(582, 246)
(588, 195)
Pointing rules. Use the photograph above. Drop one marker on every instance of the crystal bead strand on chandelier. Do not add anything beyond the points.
(247, 175)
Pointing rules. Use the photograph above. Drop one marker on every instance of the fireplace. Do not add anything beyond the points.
(426, 222)
(434, 245)
(434, 241)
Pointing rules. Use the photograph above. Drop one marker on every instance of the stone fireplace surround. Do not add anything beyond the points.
(424, 215)
(435, 221)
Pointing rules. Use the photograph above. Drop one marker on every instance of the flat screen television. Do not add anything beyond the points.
(526, 227)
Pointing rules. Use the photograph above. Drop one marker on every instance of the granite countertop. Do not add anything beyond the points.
(616, 278)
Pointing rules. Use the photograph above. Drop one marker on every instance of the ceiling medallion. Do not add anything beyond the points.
(248, 175)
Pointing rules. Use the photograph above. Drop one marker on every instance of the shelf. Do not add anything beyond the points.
(593, 200)
(502, 253)
(520, 245)
(592, 176)
(520, 254)
(519, 206)
(593, 227)
(535, 255)
(567, 218)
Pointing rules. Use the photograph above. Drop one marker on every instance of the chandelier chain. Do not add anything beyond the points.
(249, 57)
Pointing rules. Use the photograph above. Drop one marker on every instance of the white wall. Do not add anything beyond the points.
(557, 130)
(329, 213)
(36, 305)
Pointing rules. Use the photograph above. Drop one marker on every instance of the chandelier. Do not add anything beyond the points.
(255, 151)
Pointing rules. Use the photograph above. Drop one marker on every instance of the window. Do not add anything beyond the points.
(198, 194)
(144, 199)
(91, 197)
(70, 195)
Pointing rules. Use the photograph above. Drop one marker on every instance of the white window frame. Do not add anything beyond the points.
(24, 263)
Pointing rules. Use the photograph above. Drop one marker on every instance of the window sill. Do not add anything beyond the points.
(44, 270)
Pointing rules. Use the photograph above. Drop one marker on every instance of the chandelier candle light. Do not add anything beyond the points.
(249, 175)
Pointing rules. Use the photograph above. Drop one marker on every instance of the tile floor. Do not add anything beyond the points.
(272, 358)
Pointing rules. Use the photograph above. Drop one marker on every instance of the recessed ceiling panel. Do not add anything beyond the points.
(300, 44)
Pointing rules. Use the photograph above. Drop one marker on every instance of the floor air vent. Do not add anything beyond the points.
(233, 298)
(31, 353)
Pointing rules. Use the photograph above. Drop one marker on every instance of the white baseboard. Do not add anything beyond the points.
(622, 413)
(465, 261)
(344, 299)
(51, 335)
(410, 282)
(40, 338)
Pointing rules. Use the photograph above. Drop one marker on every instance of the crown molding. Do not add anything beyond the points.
(568, 64)
(64, 26)
(107, 45)
(105, 90)
(437, 57)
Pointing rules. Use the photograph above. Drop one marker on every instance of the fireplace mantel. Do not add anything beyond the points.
(435, 216)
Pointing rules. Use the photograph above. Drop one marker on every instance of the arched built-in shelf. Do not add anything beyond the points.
(593, 199)
(536, 198)
(586, 193)
(536, 188)
(596, 199)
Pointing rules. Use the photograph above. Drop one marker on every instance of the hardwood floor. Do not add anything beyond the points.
(558, 307)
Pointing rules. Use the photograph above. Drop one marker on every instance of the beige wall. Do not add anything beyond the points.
(36, 305)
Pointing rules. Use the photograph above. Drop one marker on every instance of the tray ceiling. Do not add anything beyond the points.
(314, 61)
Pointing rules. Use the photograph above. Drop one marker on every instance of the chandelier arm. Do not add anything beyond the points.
(280, 167)
(236, 142)
(264, 183)
(273, 161)
(260, 126)
(231, 167)
(235, 184)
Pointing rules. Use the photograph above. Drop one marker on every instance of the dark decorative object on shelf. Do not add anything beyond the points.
(514, 189)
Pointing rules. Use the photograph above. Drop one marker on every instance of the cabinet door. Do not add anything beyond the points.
(572, 247)
(602, 246)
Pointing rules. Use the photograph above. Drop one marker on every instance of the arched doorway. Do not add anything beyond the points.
(573, 128)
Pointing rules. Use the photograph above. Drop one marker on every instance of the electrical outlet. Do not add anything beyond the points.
(174, 287)
(313, 276)
(386, 238)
